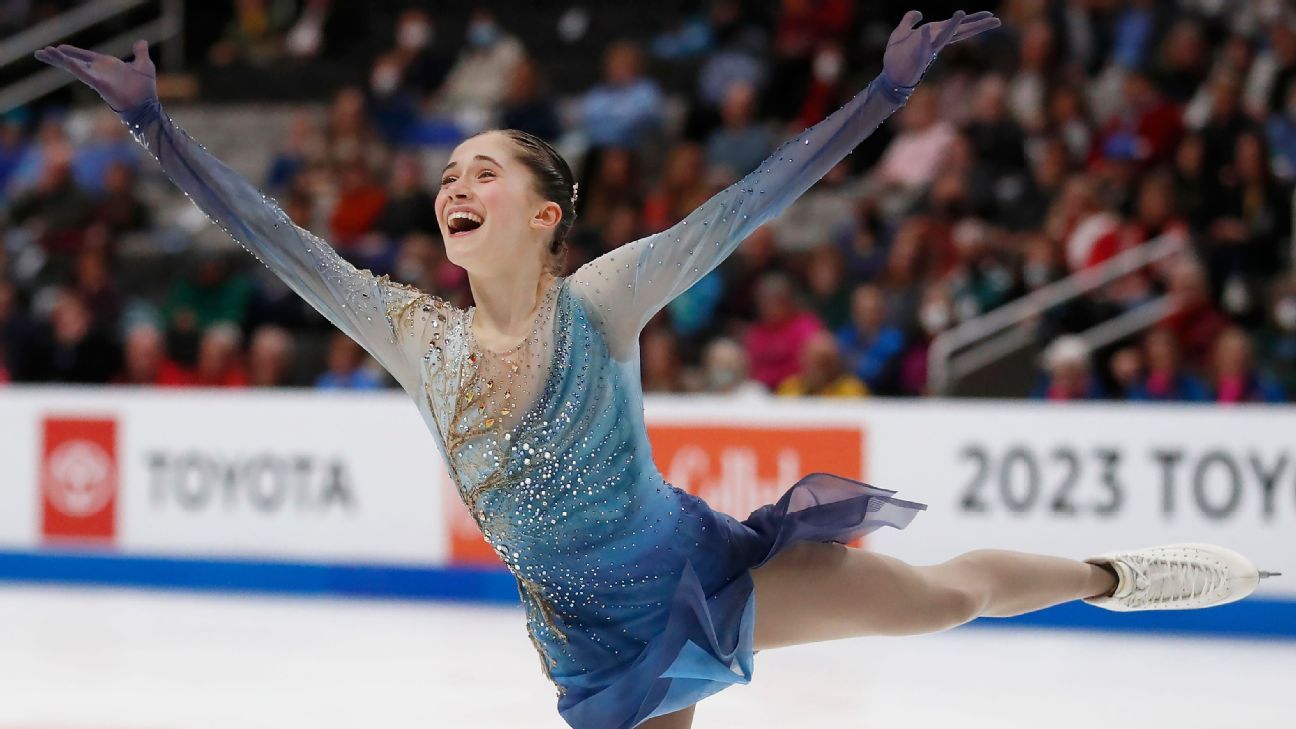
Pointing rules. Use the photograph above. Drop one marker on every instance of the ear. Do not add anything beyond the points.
(547, 217)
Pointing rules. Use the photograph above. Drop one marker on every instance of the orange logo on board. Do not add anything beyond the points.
(734, 469)
(739, 469)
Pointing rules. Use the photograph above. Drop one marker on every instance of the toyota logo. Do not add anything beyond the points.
(79, 478)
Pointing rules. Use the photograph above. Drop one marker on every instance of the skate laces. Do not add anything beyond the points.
(1161, 580)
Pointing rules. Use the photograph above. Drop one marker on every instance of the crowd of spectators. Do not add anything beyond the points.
(1076, 132)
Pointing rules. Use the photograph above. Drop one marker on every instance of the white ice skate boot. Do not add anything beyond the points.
(1177, 577)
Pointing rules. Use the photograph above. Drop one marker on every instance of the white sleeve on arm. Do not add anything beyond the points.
(625, 287)
(386, 318)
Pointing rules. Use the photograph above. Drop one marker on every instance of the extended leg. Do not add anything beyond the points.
(682, 719)
(816, 592)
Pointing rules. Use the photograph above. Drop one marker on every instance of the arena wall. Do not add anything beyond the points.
(345, 494)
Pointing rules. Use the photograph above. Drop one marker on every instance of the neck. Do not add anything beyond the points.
(505, 302)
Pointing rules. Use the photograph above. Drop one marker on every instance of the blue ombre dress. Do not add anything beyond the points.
(639, 597)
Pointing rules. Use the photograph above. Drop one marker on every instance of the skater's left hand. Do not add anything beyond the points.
(911, 49)
(123, 85)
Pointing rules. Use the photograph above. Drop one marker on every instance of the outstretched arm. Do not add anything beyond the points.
(386, 318)
(628, 285)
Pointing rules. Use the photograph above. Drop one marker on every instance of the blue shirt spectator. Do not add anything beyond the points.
(626, 108)
(870, 347)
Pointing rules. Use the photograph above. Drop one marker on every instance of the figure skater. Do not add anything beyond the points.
(640, 599)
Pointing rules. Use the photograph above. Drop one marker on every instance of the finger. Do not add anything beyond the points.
(979, 15)
(141, 51)
(67, 63)
(79, 54)
(52, 56)
(967, 30)
(948, 29)
(911, 19)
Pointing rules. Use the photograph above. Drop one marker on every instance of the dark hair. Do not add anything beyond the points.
(554, 182)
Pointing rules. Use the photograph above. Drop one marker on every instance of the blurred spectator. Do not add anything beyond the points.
(724, 370)
(93, 283)
(270, 357)
(1281, 130)
(302, 145)
(1125, 372)
(146, 361)
(1195, 321)
(615, 185)
(1028, 88)
(912, 159)
(870, 346)
(109, 147)
(15, 328)
(1278, 337)
(346, 370)
(1145, 128)
(361, 200)
(1254, 216)
(423, 65)
(816, 216)
(822, 373)
(481, 73)
(119, 208)
(49, 145)
(828, 292)
(935, 316)
(211, 294)
(71, 350)
(1067, 372)
(1234, 376)
(254, 35)
(13, 147)
(680, 191)
(219, 359)
(781, 331)
(741, 142)
(662, 369)
(56, 211)
(626, 107)
(525, 107)
(409, 207)
(1166, 378)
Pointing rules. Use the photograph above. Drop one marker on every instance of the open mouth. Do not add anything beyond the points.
(462, 221)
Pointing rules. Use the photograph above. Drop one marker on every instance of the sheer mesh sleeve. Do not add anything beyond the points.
(625, 287)
(386, 318)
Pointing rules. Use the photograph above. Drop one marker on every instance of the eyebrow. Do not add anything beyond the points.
(480, 157)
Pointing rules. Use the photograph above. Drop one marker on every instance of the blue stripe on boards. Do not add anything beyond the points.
(1265, 618)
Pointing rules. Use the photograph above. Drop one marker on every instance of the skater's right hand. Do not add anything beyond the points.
(123, 85)
(912, 48)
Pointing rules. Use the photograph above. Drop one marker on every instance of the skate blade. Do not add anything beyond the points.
(1270, 574)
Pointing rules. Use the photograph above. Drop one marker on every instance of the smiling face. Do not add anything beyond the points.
(490, 212)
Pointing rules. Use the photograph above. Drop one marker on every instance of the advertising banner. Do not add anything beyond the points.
(355, 479)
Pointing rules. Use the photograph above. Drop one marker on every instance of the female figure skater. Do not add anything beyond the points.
(640, 599)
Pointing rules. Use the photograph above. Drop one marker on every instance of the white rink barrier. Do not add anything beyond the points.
(345, 493)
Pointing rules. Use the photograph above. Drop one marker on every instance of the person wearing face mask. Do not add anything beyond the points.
(423, 66)
(478, 81)
(724, 370)
(935, 315)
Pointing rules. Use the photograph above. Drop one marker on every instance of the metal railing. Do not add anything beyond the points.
(165, 28)
(980, 342)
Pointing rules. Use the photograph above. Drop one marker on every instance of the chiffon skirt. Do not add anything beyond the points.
(706, 644)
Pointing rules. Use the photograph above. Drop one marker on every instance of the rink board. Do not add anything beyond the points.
(345, 493)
